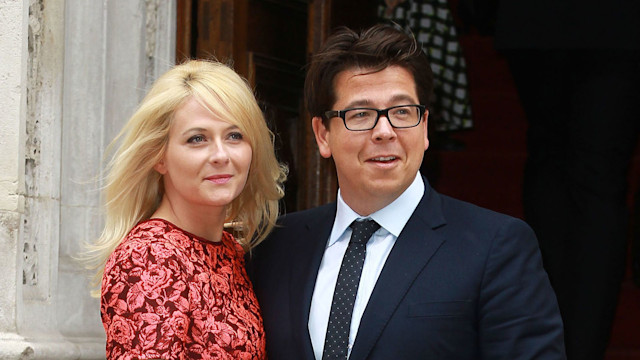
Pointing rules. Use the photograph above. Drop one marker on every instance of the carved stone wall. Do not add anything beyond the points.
(13, 54)
(71, 73)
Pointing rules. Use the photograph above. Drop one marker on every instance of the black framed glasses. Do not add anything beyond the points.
(361, 119)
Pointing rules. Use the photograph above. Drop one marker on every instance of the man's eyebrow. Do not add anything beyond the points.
(358, 103)
(406, 99)
(403, 97)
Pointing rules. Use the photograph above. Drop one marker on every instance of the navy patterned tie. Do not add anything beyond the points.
(336, 342)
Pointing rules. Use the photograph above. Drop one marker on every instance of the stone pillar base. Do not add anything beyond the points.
(15, 347)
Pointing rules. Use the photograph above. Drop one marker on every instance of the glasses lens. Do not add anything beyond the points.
(360, 119)
(404, 116)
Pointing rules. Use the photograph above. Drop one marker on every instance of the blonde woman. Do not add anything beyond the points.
(196, 154)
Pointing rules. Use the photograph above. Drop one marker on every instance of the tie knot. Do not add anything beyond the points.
(362, 230)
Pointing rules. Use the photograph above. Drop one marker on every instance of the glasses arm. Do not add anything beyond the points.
(333, 113)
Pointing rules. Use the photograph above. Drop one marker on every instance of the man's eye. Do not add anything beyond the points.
(359, 114)
(401, 111)
(196, 139)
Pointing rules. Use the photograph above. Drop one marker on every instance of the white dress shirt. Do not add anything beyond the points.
(392, 219)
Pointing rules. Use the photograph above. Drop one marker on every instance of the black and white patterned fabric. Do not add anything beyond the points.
(432, 23)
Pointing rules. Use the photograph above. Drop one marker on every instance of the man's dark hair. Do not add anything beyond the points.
(373, 50)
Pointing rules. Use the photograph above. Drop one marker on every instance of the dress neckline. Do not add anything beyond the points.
(223, 238)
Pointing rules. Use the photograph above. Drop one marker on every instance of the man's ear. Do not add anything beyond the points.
(160, 167)
(322, 136)
(426, 131)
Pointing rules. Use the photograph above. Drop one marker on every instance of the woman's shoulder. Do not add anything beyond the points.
(232, 244)
(154, 237)
(157, 231)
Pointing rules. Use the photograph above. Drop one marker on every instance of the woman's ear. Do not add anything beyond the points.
(160, 167)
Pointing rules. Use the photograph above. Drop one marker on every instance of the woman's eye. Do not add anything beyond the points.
(236, 136)
(196, 139)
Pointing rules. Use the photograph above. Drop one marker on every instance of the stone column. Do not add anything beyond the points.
(13, 64)
(71, 73)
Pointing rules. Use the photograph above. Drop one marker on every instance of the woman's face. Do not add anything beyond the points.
(207, 159)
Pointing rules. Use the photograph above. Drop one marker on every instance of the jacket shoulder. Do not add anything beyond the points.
(307, 215)
(465, 215)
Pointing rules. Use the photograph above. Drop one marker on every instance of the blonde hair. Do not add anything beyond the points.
(133, 189)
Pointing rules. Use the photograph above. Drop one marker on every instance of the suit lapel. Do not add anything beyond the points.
(305, 264)
(412, 251)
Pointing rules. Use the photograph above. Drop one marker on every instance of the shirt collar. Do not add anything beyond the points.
(391, 218)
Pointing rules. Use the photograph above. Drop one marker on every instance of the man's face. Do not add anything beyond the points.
(374, 166)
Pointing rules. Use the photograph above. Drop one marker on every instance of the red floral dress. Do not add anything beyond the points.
(168, 294)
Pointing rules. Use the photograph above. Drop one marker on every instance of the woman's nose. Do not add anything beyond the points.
(219, 153)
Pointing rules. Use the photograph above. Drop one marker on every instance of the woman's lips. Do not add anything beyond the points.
(219, 179)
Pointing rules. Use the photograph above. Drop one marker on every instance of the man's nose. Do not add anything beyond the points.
(383, 129)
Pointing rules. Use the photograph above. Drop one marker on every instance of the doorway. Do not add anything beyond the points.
(269, 43)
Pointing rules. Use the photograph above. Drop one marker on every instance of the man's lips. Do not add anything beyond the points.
(383, 159)
(219, 179)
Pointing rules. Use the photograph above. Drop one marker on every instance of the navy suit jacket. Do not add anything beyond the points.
(461, 282)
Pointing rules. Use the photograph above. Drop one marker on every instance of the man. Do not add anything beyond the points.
(441, 279)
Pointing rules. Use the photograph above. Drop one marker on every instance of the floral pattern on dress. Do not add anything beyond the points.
(168, 294)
